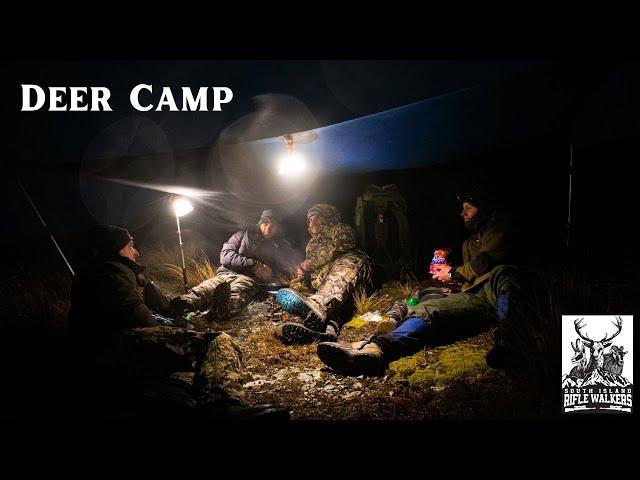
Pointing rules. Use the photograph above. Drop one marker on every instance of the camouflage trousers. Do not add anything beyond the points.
(346, 274)
(212, 360)
(243, 289)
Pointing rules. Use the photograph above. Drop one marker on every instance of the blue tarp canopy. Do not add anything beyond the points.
(435, 130)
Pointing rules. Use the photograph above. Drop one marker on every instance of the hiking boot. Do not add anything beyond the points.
(185, 303)
(220, 304)
(396, 315)
(298, 334)
(304, 307)
(386, 325)
(359, 358)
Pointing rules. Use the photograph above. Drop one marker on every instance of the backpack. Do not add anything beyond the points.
(382, 228)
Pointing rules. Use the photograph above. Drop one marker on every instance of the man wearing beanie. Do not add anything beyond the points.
(106, 296)
(334, 268)
(116, 336)
(249, 259)
(487, 285)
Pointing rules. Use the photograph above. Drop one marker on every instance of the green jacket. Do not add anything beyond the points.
(106, 298)
(486, 248)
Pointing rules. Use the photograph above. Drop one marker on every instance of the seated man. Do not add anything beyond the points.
(250, 258)
(486, 286)
(335, 269)
(118, 338)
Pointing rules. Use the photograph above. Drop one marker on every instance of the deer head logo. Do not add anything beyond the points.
(597, 347)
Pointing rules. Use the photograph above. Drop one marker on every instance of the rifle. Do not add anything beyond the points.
(46, 229)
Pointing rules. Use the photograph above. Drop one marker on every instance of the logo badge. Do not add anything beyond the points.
(597, 363)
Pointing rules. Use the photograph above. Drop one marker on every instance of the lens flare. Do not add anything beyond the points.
(182, 206)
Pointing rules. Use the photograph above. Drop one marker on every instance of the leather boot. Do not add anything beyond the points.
(359, 358)
(220, 304)
(396, 315)
(185, 303)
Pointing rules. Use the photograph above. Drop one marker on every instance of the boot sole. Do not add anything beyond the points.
(386, 326)
(313, 322)
(296, 334)
(291, 302)
(219, 310)
(334, 357)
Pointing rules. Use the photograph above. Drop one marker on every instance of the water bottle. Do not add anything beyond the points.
(414, 299)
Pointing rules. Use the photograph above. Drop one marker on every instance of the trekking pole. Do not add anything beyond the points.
(44, 225)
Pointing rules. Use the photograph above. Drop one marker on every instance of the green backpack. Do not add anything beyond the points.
(382, 228)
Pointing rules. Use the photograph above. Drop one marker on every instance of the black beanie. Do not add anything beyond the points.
(479, 198)
(108, 238)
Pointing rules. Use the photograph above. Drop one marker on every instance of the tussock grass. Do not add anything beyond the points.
(165, 264)
(369, 303)
(198, 270)
(400, 290)
(383, 299)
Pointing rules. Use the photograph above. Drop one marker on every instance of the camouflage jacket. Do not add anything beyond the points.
(485, 249)
(326, 247)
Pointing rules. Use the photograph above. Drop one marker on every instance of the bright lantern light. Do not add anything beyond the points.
(292, 164)
(182, 206)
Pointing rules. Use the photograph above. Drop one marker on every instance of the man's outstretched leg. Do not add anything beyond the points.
(433, 321)
(206, 295)
(199, 297)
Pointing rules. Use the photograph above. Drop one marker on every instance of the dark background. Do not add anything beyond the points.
(528, 165)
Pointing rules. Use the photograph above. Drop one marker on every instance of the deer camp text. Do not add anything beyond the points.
(143, 97)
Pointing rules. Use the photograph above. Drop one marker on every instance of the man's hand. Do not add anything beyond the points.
(306, 265)
(262, 271)
(300, 273)
(442, 274)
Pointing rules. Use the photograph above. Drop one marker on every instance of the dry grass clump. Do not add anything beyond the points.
(198, 270)
(165, 264)
(383, 299)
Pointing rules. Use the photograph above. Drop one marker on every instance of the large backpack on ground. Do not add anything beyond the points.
(382, 229)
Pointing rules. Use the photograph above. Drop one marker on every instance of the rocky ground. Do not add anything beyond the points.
(451, 381)
(445, 382)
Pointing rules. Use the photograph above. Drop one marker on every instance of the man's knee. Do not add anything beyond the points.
(428, 307)
(225, 342)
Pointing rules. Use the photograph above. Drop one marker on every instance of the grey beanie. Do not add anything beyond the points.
(268, 216)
